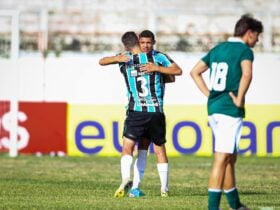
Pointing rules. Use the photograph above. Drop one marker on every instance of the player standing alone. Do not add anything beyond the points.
(230, 66)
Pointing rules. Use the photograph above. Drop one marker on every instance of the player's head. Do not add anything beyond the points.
(249, 28)
(146, 40)
(130, 40)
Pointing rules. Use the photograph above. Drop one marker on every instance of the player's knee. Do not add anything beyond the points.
(128, 147)
(127, 151)
(233, 159)
(161, 156)
(222, 158)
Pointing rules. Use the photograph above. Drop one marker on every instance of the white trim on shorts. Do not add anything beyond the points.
(227, 132)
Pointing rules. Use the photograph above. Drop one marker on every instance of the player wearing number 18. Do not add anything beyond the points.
(230, 65)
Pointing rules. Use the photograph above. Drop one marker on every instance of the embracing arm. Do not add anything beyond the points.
(244, 84)
(196, 74)
(173, 69)
(169, 78)
(168, 72)
(113, 59)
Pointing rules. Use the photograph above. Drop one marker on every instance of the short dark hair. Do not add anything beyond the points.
(247, 22)
(130, 39)
(147, 34)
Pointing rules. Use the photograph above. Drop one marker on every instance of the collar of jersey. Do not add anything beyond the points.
(235, 39)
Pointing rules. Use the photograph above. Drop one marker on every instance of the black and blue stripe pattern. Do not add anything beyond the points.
(145, 90)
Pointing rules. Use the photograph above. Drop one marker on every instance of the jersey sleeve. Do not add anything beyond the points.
(247, 55)
(206, 59)
(163, 60)
(170, 60)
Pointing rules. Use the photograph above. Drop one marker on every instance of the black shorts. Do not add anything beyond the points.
(150, 125)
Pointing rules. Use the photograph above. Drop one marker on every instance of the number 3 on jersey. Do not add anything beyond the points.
(144, 88)
(218, 76)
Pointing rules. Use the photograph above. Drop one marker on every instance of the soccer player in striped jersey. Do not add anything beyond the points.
(230, 65)
(147, 42)
(143, 75)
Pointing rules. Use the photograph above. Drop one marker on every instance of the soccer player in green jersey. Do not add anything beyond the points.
(230, 65)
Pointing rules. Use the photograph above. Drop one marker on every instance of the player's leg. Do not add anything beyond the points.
(216, 180)
(229, 187)
(126, 162)
(157, 133)
(229, 181)
(139, 168)
(140, 162)
(226, 135)
(162, 167)
(131, 133)
(127, 157)
(214, 190)
(134, 129)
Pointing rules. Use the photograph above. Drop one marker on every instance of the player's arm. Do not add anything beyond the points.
(196, 74)
(172, 70)
(244, 84)
(113, 59)
(169, 78)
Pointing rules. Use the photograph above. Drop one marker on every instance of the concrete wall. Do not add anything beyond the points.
(80, 79)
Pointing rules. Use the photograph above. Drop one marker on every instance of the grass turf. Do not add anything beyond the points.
(29, 182)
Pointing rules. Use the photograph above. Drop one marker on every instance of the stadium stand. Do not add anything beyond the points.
(94, 26)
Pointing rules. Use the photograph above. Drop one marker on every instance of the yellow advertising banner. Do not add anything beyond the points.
(97, 130)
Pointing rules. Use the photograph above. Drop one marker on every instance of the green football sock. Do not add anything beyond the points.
(233, 199)
(214, 198)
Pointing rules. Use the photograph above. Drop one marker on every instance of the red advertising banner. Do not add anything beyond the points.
(41, 128)
(4, 134)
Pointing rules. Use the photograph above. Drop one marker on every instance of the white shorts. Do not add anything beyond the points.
(227, 132)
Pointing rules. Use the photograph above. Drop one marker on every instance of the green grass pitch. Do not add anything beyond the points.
(29, 182)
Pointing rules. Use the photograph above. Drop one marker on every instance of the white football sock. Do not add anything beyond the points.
(139, 168)
(126, 162)
(163, 175)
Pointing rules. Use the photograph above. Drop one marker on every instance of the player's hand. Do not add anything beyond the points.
(123, 58)
(149, 67)
(238, 102)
